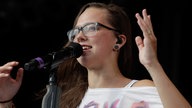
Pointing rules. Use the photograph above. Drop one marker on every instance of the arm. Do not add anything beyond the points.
(9, 86)
(169, 94)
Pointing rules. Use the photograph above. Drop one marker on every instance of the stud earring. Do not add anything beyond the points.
(115, 47)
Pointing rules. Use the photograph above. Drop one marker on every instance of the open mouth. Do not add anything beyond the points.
(86, 47)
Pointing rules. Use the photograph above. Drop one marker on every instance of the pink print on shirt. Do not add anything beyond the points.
(114, 104)
(140, 104)
(93, 104)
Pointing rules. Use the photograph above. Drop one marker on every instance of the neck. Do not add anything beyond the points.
(107, 79)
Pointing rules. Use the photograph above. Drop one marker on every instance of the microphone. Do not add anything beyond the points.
(52, 60)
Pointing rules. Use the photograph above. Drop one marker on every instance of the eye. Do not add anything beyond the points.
(90, 28)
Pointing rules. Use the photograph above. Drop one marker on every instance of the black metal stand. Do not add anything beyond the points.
(51, 98)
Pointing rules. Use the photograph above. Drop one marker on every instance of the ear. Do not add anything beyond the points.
(121, 40)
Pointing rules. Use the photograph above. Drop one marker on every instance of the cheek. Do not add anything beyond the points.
(108, 40)
(103, 43)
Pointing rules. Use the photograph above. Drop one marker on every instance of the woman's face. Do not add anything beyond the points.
(97, 49)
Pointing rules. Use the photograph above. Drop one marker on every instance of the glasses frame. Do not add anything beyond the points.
(97, 24)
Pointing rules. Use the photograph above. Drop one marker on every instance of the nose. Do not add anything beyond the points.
(80, 37)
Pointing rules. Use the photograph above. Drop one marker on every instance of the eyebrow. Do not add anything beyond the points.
(85, 24)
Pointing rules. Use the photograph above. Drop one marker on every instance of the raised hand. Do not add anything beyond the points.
(147, 44)
(9, 86)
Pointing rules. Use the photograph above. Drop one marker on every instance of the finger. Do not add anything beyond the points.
(146, 29)
(5, 69)
(9, 65)
(147, 19)
(12, 63)
(19, 76)
(3, 75)
(142, 24)
(139, 42)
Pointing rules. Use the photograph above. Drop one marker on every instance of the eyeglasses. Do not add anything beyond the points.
(89, 29)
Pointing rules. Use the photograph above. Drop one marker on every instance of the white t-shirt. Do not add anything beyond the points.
(127, 97)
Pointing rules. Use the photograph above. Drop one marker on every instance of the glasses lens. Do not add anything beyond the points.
(72, 33)
(90, 29)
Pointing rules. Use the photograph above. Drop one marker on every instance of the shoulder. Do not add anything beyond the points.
(144, 82)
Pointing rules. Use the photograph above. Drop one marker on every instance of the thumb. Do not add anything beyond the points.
(139, 42)
(19, 77)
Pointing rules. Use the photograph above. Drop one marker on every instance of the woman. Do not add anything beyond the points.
(99, 77)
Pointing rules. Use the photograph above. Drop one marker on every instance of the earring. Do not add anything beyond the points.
(115, 47)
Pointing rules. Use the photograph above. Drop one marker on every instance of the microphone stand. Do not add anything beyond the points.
(50, 62)
(51, 98)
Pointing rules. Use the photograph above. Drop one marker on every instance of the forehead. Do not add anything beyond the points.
(92, 14)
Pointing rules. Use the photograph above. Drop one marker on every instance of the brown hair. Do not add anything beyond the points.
(72, 77)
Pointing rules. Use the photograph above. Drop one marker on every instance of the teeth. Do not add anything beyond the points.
(86, 47)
